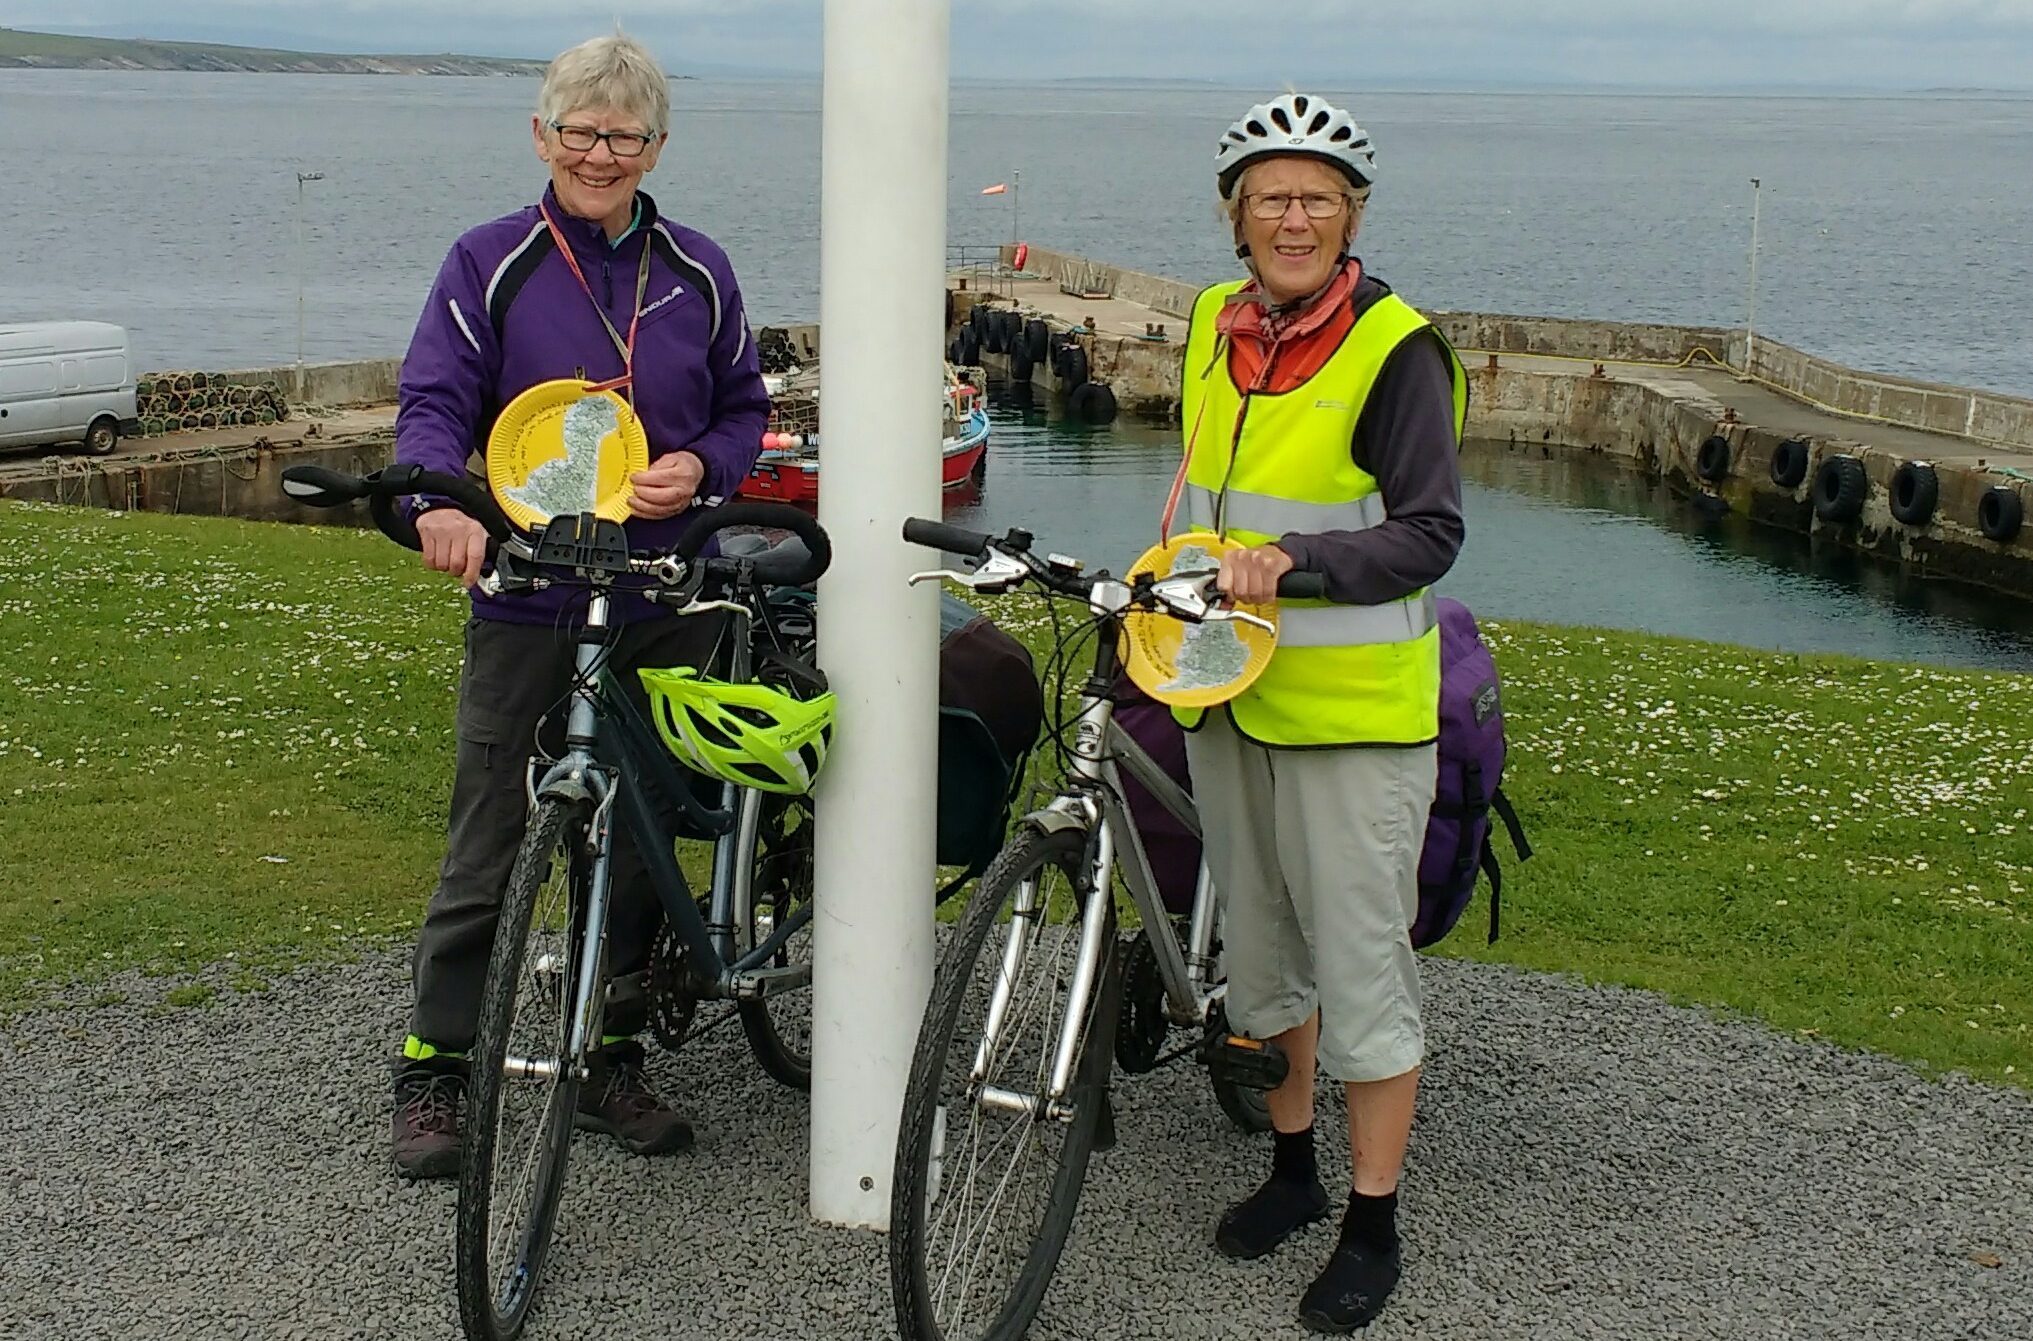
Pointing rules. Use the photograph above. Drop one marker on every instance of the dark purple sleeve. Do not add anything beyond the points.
(1406, 439)
(451, 365)
(730, 446)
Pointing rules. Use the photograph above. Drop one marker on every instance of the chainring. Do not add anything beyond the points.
(1142, 1026)
(672, 1002)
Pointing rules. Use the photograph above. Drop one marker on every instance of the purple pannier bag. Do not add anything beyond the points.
(1457, 845)
(1468, 792)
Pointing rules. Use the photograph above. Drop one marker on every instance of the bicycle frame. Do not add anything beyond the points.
(1092, 802)
(609, 750)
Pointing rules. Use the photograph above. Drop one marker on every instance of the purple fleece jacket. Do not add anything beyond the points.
(506, 313)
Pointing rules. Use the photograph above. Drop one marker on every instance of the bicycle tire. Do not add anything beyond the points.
(553, 832)
(917, 1308)
(780, 882)
(1248, 1109)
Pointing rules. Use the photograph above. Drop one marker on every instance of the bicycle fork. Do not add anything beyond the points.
(1028, 912)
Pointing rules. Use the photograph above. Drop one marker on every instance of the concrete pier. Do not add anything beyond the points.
(1655, 395)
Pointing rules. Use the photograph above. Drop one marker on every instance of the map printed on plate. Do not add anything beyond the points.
(570, 484)
(1210, 655)
(563, 448)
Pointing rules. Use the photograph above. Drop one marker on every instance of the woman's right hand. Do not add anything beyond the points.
(453, 543)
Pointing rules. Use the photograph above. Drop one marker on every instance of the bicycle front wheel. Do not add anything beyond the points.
(989, 1167)
(525, 1085)
(778, 857)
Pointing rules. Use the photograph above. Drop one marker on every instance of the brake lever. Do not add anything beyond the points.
(1199, 609)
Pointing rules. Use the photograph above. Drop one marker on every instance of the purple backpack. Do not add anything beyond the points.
(1468, 792)
(1457, 848)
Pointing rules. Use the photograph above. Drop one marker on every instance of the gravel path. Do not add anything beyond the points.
(1587, 1163)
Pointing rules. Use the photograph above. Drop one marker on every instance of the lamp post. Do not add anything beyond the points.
(301, 178)
(1751, 307)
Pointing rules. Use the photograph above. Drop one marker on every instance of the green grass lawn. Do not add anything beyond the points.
(224, 741)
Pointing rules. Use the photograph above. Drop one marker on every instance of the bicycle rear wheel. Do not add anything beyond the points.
(984, 1193)
(524, 1086)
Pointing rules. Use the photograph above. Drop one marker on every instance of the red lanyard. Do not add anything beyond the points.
(626, 348)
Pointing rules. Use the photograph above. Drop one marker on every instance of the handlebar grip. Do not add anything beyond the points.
(320, 487)
(940, 536)
(395, 523)
(402, 480)
(802, 524)
(1303, 586)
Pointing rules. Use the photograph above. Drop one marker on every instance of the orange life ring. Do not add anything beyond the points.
(1023, 253)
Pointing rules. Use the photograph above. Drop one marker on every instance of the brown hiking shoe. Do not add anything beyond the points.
(424, 1129)
(617, 1099)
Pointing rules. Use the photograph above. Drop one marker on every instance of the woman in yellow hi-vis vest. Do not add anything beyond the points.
(1322, 420)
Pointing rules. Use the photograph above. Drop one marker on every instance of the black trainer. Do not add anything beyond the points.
(1352, 1289)
(1270, 1215)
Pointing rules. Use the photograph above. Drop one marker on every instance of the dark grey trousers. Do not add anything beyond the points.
(516, 679)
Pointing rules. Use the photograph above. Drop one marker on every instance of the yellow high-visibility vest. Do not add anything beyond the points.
(1266, 465)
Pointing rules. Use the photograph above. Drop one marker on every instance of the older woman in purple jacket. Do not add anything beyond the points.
(592, 281)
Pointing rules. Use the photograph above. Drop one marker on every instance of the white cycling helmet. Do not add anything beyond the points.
(1297, 123)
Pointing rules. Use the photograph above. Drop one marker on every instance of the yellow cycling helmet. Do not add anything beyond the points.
(752, 735)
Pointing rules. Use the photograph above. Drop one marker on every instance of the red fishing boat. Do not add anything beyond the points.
(788, 469)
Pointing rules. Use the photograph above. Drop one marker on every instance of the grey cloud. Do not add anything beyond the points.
(1364, 43)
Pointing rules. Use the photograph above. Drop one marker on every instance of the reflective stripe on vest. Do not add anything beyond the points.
(1265, 465)
(1358, 625)
(1267, 515)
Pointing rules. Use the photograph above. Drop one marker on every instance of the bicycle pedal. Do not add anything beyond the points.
(1250, 1063)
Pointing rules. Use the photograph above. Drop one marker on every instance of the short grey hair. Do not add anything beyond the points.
(614, 73)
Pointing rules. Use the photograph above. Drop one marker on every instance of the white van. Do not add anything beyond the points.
(65, 381)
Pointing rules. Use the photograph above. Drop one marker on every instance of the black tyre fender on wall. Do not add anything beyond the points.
(2000, 514)
(1789, 463)
(1916, 492)
(1092, 403)
(1711, 460)
(1840, 488)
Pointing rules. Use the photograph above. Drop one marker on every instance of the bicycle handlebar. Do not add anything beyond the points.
(790, 572)
(320, 487)
(1058, 575)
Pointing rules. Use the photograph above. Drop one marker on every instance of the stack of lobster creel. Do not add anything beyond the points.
(172, 402)
(1028, 344)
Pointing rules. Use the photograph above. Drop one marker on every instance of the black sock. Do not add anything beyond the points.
(1292, 1156)
(1371, 1221)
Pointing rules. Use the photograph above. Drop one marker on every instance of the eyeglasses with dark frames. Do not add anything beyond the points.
(620, 143)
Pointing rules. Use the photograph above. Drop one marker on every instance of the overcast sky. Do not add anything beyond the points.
(1864, 44)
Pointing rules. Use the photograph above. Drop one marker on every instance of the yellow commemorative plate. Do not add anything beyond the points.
(562, 448)
(1193, 665)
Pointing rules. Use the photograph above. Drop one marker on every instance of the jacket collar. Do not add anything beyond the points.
(587, 235)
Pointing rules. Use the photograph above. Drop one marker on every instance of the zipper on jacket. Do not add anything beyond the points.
(607, 278)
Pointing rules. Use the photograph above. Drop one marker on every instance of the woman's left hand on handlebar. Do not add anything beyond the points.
(668, 486)
(1250, 576)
